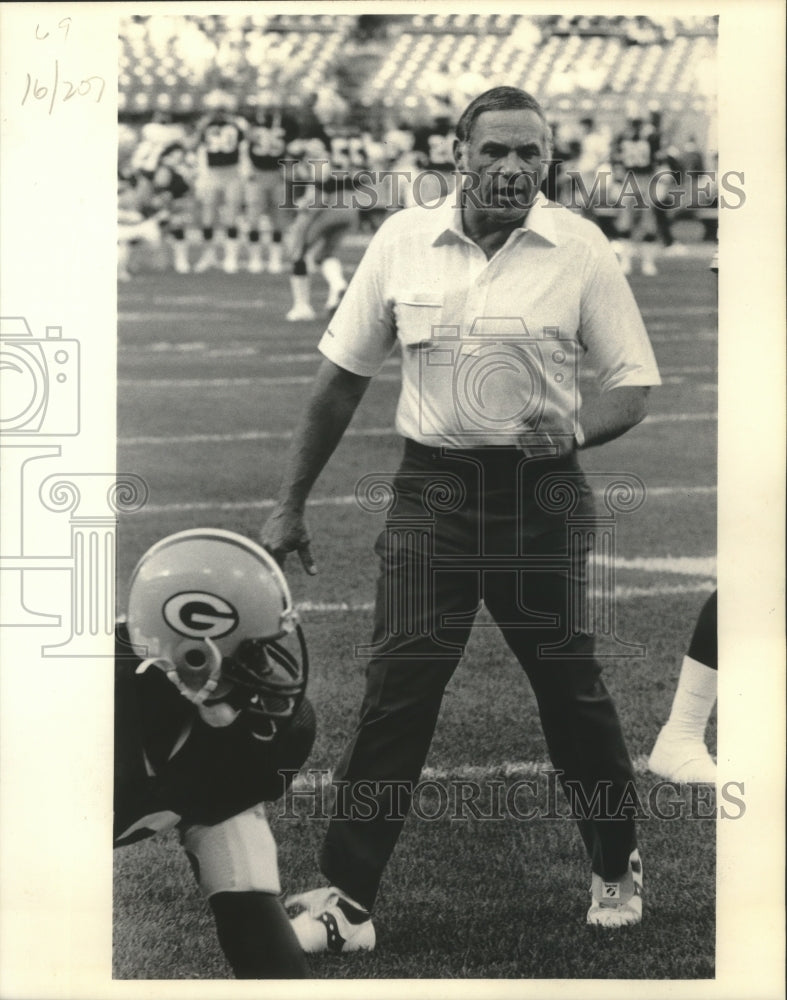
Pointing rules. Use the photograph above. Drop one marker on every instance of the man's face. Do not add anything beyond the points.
(505, 160)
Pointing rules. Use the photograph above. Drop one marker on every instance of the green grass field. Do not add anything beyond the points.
(210, 382)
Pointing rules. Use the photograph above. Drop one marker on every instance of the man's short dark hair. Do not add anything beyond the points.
(499, 99)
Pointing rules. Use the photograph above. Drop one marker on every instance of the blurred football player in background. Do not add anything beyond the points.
(138, 222)
(211, 720)
(220, 150)
(154, 137)
(593, 157)
(173, 192)
(325, 212)
(634, 155)
(434, 145)
(271, 130)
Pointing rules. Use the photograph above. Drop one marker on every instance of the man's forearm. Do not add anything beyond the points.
(333, 402)
(610, 414)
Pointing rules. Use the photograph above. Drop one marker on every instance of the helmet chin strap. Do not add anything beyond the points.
(169, 668)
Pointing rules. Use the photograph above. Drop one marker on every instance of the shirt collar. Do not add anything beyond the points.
(539, 220)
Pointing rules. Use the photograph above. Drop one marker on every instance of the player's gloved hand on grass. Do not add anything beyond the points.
(285, 531)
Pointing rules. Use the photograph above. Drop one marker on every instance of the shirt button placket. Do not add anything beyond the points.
(475, 307)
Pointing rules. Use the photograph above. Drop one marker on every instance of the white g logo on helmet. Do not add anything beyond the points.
(200, 615)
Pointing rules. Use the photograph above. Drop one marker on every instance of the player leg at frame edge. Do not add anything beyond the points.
(679, 753)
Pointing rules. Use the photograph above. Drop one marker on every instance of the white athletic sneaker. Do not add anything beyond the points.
(255, 264)
(230, 259)
(298, 313)
(617, 904)
(334, 298)
(331, 921)
(206, 261)
(678, 758)
(275, 264)
(649, 269)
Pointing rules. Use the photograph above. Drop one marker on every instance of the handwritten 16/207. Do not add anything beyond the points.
(66, 89)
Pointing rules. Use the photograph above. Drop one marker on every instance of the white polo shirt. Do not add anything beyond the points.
(491, 349)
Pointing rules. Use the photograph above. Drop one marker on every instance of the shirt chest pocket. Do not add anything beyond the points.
(417, 314)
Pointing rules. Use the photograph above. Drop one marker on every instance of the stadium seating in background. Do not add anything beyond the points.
(594, 64)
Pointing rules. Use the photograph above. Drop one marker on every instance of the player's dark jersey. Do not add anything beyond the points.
(269, 138)
(328, 163)
(167, 759)
(636, 150)
(221, 137)
(348, 150)
(169, 184)
(435, 143)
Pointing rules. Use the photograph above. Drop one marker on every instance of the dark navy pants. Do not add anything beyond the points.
(470, 526)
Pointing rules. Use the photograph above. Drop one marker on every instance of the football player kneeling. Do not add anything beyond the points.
(211, 721)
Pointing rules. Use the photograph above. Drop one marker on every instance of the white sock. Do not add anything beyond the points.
(124, 255)
(648, 251)
(274, 256)
(181, 253)
(299, 285)
(333, 274)
(231, 251)
(694, 700)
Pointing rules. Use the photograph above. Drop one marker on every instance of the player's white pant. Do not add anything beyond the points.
(264, 196)
(133, 228)
(219, 191)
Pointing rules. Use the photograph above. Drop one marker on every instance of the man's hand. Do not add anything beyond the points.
(550, 440)
(285, 531)
(335, 396)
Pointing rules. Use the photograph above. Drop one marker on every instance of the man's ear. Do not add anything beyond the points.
(459, 153)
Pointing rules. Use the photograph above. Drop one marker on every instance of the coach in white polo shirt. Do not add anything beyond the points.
(498, 299)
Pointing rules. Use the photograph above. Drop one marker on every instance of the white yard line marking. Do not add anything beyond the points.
(219, 307)
(251, 347)
(227, 383)
(658, 418)
(230, 349)
(319, 779)
(688, 565)
(678, 310)
(679, 418)
(621, 593)
(347, 501)
(224, 382)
